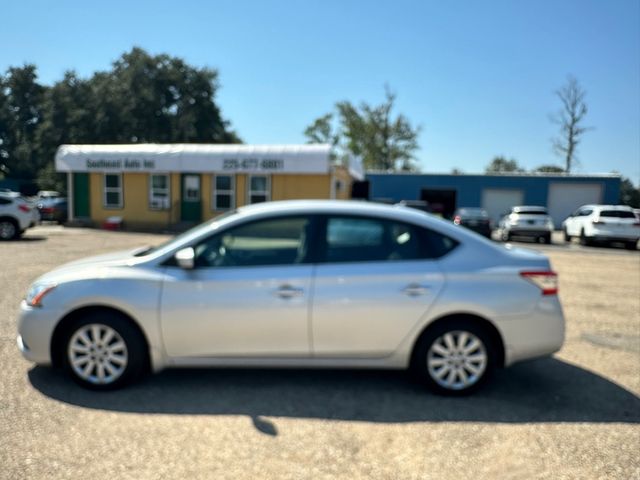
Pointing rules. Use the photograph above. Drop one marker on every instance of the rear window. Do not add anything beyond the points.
(617, 214)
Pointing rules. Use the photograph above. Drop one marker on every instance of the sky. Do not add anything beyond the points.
(477, 77)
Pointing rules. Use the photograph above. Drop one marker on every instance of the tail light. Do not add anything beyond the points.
(24, 208)
(546, 280)
(457, 220)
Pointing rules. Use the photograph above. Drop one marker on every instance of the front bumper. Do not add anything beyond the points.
(536, 334)
(35, 329)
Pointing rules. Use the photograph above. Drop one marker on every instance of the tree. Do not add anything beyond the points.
(549, 169)
(21, 106)
(500, 164)
(629, 194)
(373, 133)
(570, 118)
(143, 98)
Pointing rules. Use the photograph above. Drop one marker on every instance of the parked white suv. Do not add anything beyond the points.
(16, 215)
(526, 221)
(603, 223)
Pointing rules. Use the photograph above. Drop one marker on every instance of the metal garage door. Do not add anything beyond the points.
(497, 201)
(565, 198)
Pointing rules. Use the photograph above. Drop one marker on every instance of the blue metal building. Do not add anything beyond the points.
(560, 193)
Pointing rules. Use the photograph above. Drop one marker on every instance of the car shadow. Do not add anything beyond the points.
(28, 238)
(546, 390)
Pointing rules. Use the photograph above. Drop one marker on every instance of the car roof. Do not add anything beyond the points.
(329, 206)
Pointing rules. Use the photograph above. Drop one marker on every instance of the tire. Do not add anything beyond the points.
(584, 241)
(546, 239)
(99, 366)
(9, 229)
(630, 245)
(567, 237)
(433, 361)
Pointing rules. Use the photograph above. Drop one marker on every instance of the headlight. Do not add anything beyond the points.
(37, 292)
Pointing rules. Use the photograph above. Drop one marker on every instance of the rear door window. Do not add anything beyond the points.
(359, 239)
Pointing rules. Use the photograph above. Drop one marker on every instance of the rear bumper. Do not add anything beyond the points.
(609, 236)
(536, 334)
(525, 232)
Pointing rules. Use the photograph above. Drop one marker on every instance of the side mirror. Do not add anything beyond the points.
(185, 258)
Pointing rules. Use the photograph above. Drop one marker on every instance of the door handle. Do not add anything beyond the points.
(287, 291)
(415, 289)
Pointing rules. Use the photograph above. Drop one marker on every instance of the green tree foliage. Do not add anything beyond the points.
(629, 194)
(500, 164)
(373, 133)
(549, 169)
(143, 98)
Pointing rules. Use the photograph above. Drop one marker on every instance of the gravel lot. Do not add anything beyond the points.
(575, 415)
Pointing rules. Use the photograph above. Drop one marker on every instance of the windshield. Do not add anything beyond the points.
(183, 235)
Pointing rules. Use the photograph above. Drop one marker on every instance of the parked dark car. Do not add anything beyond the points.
(475, 219)
(55, 209)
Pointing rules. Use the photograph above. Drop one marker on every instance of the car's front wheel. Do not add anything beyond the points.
(104, 351)
(454, 358)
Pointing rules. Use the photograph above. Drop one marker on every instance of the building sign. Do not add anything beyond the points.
(194, 158)
(252, 165)
(120, 165)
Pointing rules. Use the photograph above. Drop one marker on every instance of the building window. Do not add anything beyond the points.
(159, 193)
(113, 190)
(259, 188)
(223, 192)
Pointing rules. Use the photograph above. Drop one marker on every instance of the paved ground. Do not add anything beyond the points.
(576, 415)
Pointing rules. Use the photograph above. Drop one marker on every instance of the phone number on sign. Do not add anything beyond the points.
(253, 164)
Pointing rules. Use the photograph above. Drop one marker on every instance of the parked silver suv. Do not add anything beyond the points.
(526, 221)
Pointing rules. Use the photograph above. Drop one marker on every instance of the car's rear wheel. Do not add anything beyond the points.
(631, 245)
(454, 358)
(584, 240)
(104, 351)
(8, 229)
(567, 237)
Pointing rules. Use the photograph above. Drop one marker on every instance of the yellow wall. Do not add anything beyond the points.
(136, 212)
(342, 174)
(292, 187)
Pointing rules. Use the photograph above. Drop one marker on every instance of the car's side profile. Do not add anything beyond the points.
(603, 223)
(305, 284)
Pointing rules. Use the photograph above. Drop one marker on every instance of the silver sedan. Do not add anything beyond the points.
(304, 284)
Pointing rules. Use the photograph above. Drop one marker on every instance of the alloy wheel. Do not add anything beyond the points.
(7, 230)
(97, 354)
(457, 360)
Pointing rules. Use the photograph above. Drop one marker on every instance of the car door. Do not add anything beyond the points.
(248, 294)
(372, 285)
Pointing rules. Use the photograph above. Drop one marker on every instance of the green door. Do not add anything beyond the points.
(191, 203)
(81, 195)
